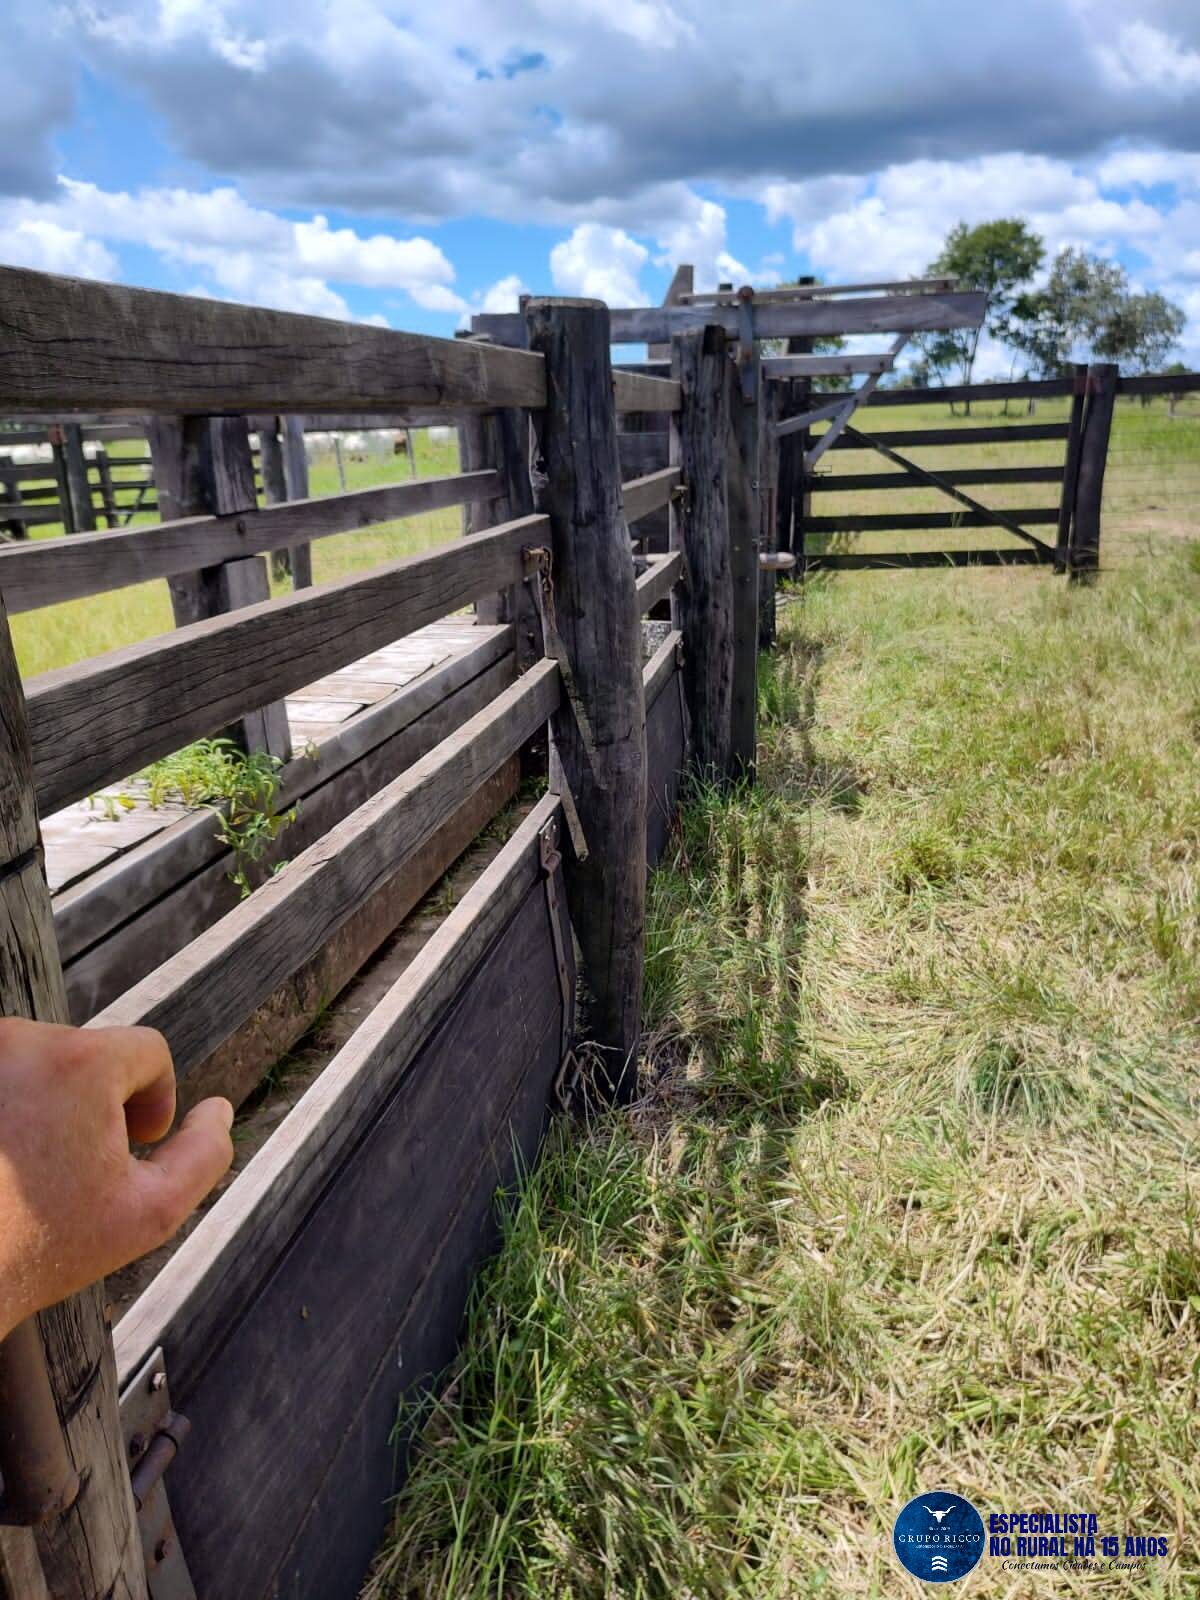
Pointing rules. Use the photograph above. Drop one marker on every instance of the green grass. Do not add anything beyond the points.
(910, 1199)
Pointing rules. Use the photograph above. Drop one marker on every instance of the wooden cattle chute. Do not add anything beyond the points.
(328, 1281)
(330, 1277)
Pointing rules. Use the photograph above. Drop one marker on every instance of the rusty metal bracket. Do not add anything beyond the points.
(685, 721)
(154, 1435)
(747, 365)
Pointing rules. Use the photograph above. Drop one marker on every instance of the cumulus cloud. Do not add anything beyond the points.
(600, 262)
(247, 252)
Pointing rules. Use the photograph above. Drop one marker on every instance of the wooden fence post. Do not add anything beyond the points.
(741, 458)
(284, 467)
(599, 733)
(107, 498)
(769, 398)
(501, 440)
(203, 465)
(1066, 504)
(700, 528)
(58, 456)
(1093, 454)
(295, 482)
(92, 1547)
(79, 490)
(10, 494)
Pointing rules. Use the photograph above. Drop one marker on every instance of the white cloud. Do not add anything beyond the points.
(601, 263)
(503, 295)
(49, 247)
(248, 253)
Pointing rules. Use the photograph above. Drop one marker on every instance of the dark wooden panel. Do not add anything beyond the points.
(664, 759)
(1160, 383)
(344, 1319)
(897, 520)
(1027, 556)
(44, 573)
(1018, 433)
(101, 720)
(77, 345)
(642, 453)
(844, 482)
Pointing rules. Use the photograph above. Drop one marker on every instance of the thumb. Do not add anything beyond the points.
(170, 1184)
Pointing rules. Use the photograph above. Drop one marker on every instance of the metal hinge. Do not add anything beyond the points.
(154, 1435)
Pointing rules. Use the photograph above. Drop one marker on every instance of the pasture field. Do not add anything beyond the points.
(910, 1201)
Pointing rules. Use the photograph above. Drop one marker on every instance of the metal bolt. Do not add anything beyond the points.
(158, 1380)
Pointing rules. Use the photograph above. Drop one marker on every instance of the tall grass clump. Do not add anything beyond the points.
(909, 1200)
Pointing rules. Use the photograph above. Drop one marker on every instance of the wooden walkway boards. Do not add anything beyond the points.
(87, 836)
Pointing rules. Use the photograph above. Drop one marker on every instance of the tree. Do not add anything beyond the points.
(1088, 308)
(999, 257)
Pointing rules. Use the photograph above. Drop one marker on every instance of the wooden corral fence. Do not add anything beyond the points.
(233, 1439)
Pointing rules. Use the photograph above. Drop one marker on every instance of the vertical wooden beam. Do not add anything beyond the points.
(295, 481)
(599, 734)
(274, 484)
(500, 440)
(10, 494)
(58, 455)
(203, 465)
(769, 398)
(700, 528)
(1066, 504)
(91, 1548)
(79, 490)
(107, 498)
(683, 281)
(1093, 454)
(741, 459)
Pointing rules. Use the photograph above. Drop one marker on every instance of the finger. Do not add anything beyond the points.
(169, 1185)
(140, 1062)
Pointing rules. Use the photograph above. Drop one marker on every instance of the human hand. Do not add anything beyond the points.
(75, 1204)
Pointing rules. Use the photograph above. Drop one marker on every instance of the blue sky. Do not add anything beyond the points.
(410, 165)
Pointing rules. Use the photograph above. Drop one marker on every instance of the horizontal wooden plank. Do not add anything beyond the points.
(660, 577)
(190, 1305)
(98, 721)
(200, 996)
(901, 313)
(1160, 383)
(813, 291)
(661, 667)
(967, 434)
(26, 471)
(841, 561)
(76, 344)
(886, 521)
(845, 482)
(824, 366)
(32, 516)
(634, 391)
(960, 393)
(806, 419)
(641, 496)
(91, 563)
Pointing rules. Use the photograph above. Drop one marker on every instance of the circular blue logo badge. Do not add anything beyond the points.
(939, 1536)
